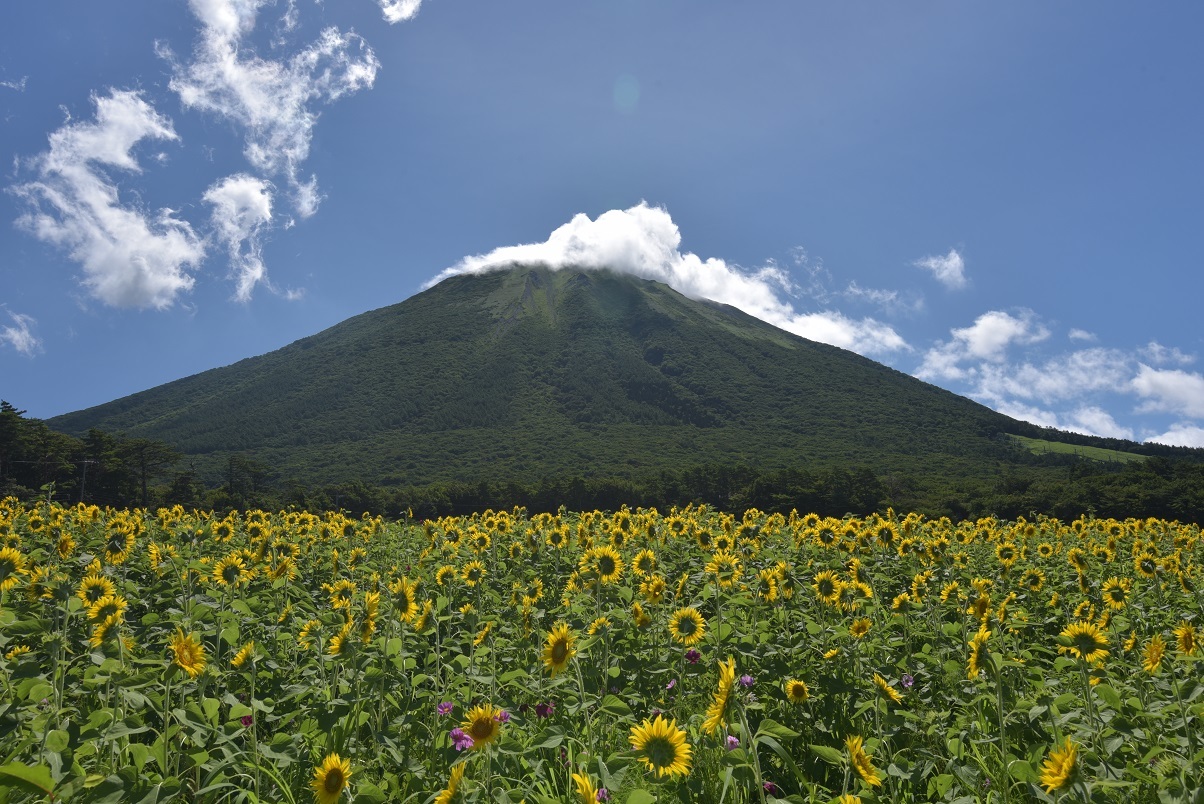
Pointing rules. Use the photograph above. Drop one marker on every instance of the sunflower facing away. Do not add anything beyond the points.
(558, 650)
(1058, 769)
(1087, 641)
(483, 723)
(862, 762)
(330, 778)
(661, 746)
(190, 654)
(687, 627)
(717, 711)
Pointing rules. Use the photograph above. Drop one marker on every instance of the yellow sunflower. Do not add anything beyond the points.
(1087, 641)
(661, 746)
(483, 723)
(1151, 658)
(725, 567)
(980, 656)
(558, 650)
(1058, 769)
(687, 627)
(190, 654)
(827, 587)
(717, 711)
(330, 779)
(453, 785)
(586, 792)
(1185, 633)
(245, 652)
(644, 563)
(602, 563)
(12, 564)
(860, 627)
(889, 692)
(473, 573)
(862, 762)
(404, 602)
(796, 691)
(1116, 592)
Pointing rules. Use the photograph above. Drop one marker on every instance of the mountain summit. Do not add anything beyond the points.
(532, 372)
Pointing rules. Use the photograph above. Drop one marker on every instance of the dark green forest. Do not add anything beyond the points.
(101, 468)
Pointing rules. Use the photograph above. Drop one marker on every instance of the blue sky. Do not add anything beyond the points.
(1002, 199)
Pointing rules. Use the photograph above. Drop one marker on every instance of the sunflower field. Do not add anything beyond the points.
(631, 656)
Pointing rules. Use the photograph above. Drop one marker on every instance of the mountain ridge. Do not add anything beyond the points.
(532, 371)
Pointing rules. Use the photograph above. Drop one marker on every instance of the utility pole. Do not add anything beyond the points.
(83, 481)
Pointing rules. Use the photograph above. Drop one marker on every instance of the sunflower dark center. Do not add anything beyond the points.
(334, 781)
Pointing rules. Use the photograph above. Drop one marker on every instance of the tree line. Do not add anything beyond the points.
(110, 469)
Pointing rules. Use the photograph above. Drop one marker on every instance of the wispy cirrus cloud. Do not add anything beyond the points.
(17, 84)
(19, 334)
(644, 241)
(131, 257)
(275, 102)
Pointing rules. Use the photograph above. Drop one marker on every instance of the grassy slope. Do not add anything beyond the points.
(531, 372)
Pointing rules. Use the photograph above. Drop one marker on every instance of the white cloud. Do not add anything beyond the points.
(399, 10)
(242, 208)
(130, 257)
(1094, 420)
(274, 101)
(20, 334)
(949, 270)
(1170, 390)
(644, 241)
(1161, 355)
(1081, 335)
(987, 339)
(1181, 435)
(1061, 378)
(18, 85)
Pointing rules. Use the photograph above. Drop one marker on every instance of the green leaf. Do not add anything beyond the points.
(828, 754)
(640, 796)
(772, 727)
(1022, 771)
(614, 705)
(34, 779)
(57, 741)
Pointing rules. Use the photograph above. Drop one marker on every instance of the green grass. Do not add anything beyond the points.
(1038, 446)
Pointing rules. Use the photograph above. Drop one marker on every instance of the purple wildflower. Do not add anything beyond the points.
(771, 788)
(502, 717)
(672, 683)
(602, 795)
(543, 710)
(459, 739)
(444, 708)
(733, 742)
(746, 680)
(246, 720)
(692, 656)
(907, 681)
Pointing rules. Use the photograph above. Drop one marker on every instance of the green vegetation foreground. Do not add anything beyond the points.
(633, 656)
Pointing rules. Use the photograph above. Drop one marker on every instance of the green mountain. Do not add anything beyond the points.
(530, 373)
